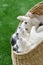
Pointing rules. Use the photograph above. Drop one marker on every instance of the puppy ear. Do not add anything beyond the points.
(22, 18)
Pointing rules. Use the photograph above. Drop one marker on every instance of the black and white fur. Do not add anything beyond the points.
(28, 34)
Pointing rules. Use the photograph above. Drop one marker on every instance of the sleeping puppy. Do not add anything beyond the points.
(31, 20)
(34, 40)
(19, 38)
(24, 31)
(23, 44)
(28, 22)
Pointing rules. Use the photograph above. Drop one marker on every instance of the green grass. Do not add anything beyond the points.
(9, 10)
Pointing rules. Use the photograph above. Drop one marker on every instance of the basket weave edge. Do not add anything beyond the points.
(34, 9)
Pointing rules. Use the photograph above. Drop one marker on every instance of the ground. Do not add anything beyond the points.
(9, 10)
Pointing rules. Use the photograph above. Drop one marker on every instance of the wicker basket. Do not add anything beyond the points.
(34, 57)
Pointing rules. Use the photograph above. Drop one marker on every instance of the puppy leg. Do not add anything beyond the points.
(35, 38)
(40, 29)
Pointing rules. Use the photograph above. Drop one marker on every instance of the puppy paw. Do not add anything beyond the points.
(40, 29)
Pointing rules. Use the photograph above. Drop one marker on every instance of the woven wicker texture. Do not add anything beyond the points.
(34, 57)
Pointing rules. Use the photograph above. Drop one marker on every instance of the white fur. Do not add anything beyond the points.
(22, 42)
(30, 22)
(22, 18)
(22, 32)
(34, 39)
(28, 40)
(40, 29)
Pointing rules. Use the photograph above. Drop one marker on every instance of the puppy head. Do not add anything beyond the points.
(26, 24)
(16, 36)
(21, 45)
(14, 39)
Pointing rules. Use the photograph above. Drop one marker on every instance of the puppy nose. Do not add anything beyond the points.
(13, 41)
(15, 48)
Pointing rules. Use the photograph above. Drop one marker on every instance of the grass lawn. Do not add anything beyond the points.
(9, 10)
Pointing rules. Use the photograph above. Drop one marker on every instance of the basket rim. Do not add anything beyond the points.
(26, 52)
(36, 5)
(32, 10)
(38, 44)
